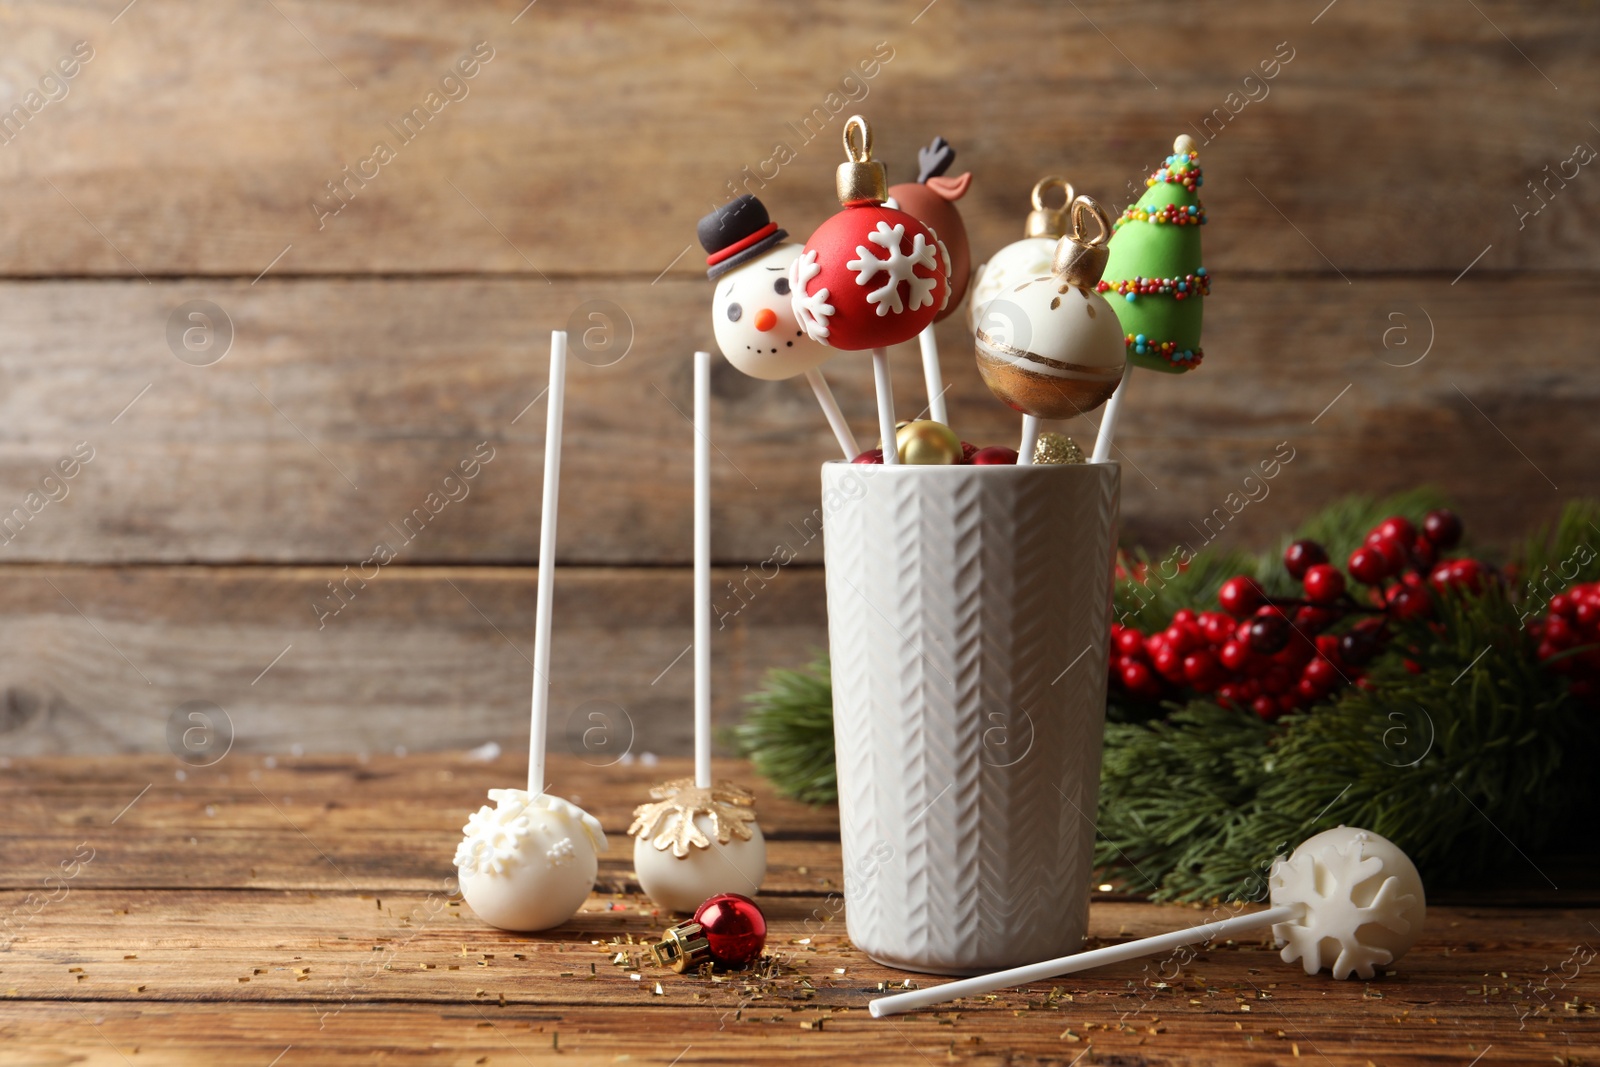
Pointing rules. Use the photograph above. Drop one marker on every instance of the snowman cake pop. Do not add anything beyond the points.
(752, 314)
(1026, 259)
(529, 862)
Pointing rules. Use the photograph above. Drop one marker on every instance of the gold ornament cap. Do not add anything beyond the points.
(1080, 260)
(863, 180)
(684, 948)
(1048, 221)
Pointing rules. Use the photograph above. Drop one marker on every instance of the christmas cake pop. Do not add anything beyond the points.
(697, 838)
(872, 275)
(1347, 900)
(1026, 259)
(1052, 348)
(1155, 278)
(752, 314)
(529, 862)
(932, 198)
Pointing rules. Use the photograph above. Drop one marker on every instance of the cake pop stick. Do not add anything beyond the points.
(1155, 279)
(751, 312)
(872, 275)
(1348, 886)
(830, 408)
(702, 570)
(555, 405)
(529, 862)
(1108, 422)
(931, 198)
(698, 838)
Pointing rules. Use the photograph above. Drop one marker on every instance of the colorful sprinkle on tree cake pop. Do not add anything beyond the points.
(1155, 278)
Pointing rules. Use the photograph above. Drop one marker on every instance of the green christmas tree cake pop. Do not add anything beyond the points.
(1154, 278)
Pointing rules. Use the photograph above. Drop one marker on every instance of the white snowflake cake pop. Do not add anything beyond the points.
(529, 862)
(1363, 899)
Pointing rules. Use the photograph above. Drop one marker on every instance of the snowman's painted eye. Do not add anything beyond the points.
(781, 286)
(734, 311)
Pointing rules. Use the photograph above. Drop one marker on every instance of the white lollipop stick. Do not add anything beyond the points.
(555, 401)
(1081, 961)
(1030, 438)
(1108, 423)
(929, 344)
(702, 569)
(830, 408)
(880, 377)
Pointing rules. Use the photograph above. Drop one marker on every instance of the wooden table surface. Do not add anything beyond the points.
(301, 911)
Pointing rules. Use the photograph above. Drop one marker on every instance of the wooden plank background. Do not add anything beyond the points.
(1388, 301)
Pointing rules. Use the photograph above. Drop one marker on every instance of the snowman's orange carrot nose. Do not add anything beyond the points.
(766, 319)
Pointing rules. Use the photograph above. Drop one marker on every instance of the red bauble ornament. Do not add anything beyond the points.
(994, 455)
(871, 455)
(871, 276)
(734, 928)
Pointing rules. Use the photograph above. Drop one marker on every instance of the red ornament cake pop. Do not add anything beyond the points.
(871, 276)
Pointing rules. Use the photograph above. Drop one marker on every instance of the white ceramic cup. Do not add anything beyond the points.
(968, 621)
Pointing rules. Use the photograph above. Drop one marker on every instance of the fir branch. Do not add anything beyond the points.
(788, 731)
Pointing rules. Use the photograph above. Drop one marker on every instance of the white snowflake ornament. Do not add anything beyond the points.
(1363, 902)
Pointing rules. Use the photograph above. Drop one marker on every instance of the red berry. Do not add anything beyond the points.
(1265, 707)
(1169, 663)
(1321, 673)
(994, 456)
(1358, 647)
(1559, 631)
(1467, 574)
(1183, 639)
(968, 450)
(1137, 678)
(1269, 634)
(1314, 620)
(1409, 602)
(1587, 615)
(1302, 554)
(1201, 671)
(1234, 655)
(1324, 583)
(1130, 641)
(1184, 616)
(1308, 691)
(1240, 595)
(1216, 626)
(1231, 693)
(1368, 565)
(1442, 527)
(1393, 551)
(1425, 552)
(1399, 528)
(1562, 604)
(1328, 646)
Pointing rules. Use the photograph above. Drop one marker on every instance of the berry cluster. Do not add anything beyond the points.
(1277, 654)
(1569, 639)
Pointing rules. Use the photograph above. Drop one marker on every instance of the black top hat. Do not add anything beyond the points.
(736, 233)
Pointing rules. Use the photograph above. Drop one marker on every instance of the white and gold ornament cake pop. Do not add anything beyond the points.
(1026, 259)
(529, 862)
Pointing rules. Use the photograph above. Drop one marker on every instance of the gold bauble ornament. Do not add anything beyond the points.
(926, 443)
(1057, 449)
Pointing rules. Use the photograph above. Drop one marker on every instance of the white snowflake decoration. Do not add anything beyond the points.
(949, 268)
(1334, 915)
(899, 266)
(812, 310)
(494, 837)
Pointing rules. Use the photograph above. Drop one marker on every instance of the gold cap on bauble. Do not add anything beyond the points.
(1048, 221)
(1080, 260)
(862, 180)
